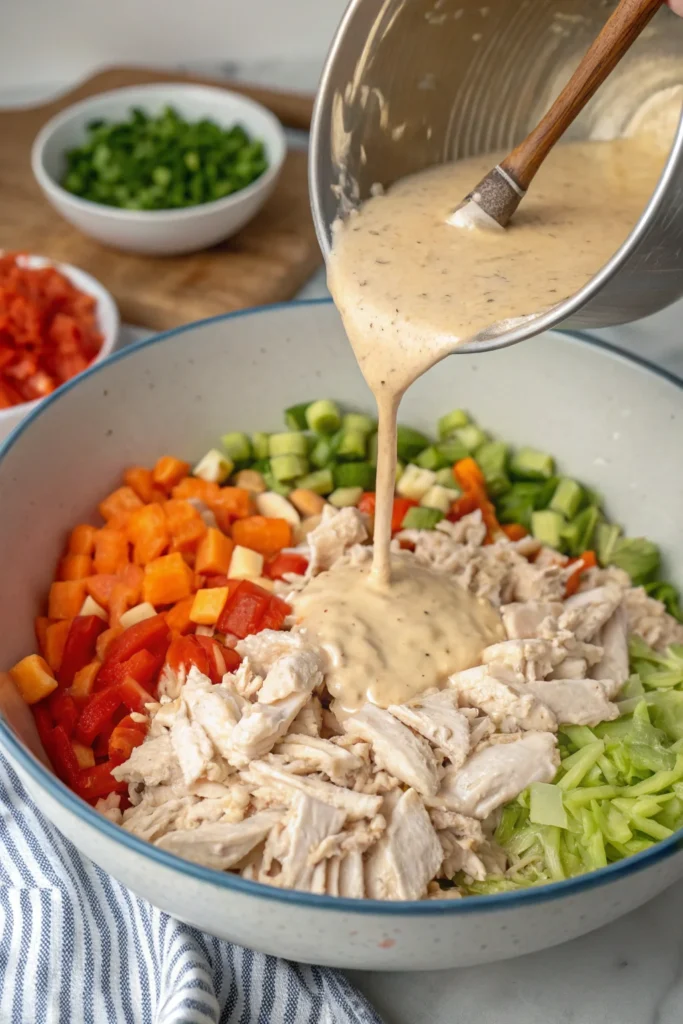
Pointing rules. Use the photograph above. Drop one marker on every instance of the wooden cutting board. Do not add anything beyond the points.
(268, 261)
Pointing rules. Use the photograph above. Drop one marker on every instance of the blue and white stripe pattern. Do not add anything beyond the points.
(76, 946)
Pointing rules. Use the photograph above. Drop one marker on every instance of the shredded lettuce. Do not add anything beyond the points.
(617, 792)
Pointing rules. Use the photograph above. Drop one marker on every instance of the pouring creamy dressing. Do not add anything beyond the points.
(410, 288)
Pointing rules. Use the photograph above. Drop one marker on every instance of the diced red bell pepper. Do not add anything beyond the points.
(218, 661)
(231, 658)
(44, 724)
(133, 695)
(367, 503)
(186, 651)
(585, 561)
(218, 581)
(276, 613)
(144, 666)
(399, 511)
(98, 714)
(63, 757)
(98, 782)
(461, 507)
(127, 735)
(144, 635)
(64, 710)
(285, 562)
(244, 610)
(79, 648)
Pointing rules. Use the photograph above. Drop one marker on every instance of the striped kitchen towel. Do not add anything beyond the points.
(78, 948)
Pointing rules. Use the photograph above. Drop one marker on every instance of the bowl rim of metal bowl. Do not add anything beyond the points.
(49, 184)
(104, 301)
(461, 907)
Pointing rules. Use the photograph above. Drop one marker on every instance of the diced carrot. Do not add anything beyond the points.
(66, 598)
(169, 471)
(586, 561)
(105, 640)
(514, 531)
(231, 503)
(214, 553)
(179, 512)
(111, 551)
(132, 576)
(193, 487)
(167, 579)
(40, 626)
(75, 567)
(468, 475)
(82, 539)
(185, 525)
(120, 502)
(34, 678)
(84, 680)
(55, 638)
(208, 605)
(84, 755)
(267, 536)
(126, 592)
(188, 536)
(148, 532)
(140, 480)
(100, 587)
(178, 617)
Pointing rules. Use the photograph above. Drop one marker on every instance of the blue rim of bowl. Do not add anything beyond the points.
(46, 181)
(422, 908)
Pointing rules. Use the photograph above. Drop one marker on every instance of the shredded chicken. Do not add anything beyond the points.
(264, 774)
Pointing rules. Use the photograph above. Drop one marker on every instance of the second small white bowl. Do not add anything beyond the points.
(158, 232)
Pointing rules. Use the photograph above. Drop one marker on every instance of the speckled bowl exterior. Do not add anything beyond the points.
(610, 420)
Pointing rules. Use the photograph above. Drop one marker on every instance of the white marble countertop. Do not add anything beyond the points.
(628, 973)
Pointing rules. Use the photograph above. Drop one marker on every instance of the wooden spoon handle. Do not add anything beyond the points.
(621, 30)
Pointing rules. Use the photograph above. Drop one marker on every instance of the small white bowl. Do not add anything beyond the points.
(158, 232)
(108, 323)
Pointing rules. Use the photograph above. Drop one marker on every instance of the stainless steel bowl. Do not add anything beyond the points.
(412, 83)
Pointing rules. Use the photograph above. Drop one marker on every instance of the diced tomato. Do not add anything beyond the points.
(276, 613)
(64, 710)
(398, 512)
(367, 503)
(143, 635)
(63, 757)
(244, 610)
(285, 562)
(98, 782)
(97, 714)
(79, 648)
(127, 735)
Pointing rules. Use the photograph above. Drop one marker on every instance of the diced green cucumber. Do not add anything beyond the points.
(567, 497)
(418, 518)
(606, 536)
(438, 497)
(237, 447)
(359, 421)
(578, 534)
(451, 421)
(288, 467)
(372, 449)
(293, 443)
(492, 458)
(295, 416)
(323, 416)
(274, 485)
(322, 453)
(410, 443)
(471, 436)
(530, 464)
(445, 478)
(320, 482)
(431, 458)
(452, 450)
(415, 482)
(352, 445)
(547, 526)
(260, 444)
(345, 497)
(354, 474)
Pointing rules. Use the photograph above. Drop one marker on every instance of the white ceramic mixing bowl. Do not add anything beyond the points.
(610, 420)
